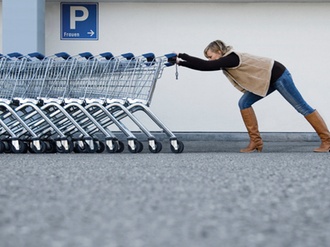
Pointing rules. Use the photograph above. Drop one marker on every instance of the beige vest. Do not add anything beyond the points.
(252, 74)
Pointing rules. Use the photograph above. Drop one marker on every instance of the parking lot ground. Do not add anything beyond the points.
(210, 195)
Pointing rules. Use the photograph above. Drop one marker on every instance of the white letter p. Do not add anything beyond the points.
(74, 18)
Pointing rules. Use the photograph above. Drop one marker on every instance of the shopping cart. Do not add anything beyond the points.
(140, 99)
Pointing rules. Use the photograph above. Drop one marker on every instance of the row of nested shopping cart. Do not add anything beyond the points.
(63, 103)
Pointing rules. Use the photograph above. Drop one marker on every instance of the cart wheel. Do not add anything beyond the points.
(62, 149)
(77, 148)
(2, 147)
(34, 149)
(96, 147)
(158, 148)
(179, 149)
(138, 147)
(80, 149)
(29, 148)
(50, 146)
(85, 148)
(114, 148)
(101, 147)
(6, 146)
(22, 147)
(121, 147)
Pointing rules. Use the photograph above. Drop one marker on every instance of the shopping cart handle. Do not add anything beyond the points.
(15, 54)
(63, 55)
(171, 58)
(170, 55)
(128, 56)
(37, 55)
(86, 55)
(149, 56)
(106, 55)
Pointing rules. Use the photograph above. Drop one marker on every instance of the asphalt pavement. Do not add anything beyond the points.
(209, 195)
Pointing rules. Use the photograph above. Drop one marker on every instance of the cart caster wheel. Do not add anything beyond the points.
(65, 149)
(6, 146)
(86, 148)
(138, 147)
(50, 146)
(179, 149)
(38, 150)
(121, 147)
(22, 147)
(79, 147)
(83, 147)
(112, 149)
(157, 149)
(96, 147)
(118, 147)
(100, 146)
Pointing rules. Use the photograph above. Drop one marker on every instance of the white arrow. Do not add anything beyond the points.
(91, 33)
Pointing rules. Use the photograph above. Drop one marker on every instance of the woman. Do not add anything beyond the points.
(256, 77)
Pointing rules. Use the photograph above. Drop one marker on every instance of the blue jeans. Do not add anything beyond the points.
(285, 86)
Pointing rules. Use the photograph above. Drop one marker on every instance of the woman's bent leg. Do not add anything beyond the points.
(250, 121)
(251, 124)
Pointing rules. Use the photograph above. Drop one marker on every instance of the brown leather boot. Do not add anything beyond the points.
(251, 125)
(321, 129)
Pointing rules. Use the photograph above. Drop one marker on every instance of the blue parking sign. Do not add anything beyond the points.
(79, 21)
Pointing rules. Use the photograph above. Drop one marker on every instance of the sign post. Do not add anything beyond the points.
(79, 21)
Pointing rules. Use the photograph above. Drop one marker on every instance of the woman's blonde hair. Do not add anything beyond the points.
(216, 46)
